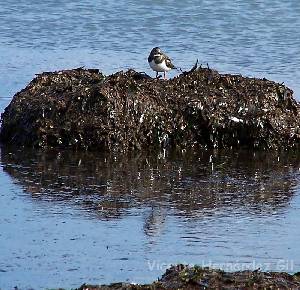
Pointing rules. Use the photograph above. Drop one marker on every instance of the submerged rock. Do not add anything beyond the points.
(82, 108)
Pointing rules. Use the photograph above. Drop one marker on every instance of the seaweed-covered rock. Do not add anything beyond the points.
(82, 108)
(195, 278)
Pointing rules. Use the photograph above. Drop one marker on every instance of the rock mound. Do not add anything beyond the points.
(82, 108)
(203, 278)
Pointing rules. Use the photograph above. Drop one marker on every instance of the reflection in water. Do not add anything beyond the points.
(191, 184)
(100, 218)
(155, 221)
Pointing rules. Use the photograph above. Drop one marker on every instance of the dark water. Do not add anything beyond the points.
(68, 218)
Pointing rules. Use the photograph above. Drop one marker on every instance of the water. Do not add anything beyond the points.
(73, 217)
(260, 38)
(69, 218)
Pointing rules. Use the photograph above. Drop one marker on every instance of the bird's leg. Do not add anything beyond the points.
(164, 75)
(157, 74)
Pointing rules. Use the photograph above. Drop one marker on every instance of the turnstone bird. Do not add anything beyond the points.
(159, 61)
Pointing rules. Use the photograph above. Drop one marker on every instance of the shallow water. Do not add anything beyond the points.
(260, 38)
(73, 217)
(69, 218)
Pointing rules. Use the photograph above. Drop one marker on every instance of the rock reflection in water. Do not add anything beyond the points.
(190, 184)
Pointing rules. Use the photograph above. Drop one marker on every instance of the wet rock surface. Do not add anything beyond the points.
(192, 278)
(82, 108)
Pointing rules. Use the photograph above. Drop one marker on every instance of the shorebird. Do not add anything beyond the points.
(159, 61)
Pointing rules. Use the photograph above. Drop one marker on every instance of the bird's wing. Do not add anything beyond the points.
(168, 62)
(159, 58)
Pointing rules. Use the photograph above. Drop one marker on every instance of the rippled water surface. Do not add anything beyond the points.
(68, 218)
(255, 38)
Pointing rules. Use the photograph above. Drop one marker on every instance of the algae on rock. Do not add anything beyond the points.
(81, 108)
(202, 278)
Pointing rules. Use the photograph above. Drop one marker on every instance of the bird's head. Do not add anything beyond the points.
(156, 50)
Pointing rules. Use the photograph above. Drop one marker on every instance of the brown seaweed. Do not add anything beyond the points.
(82, 108)
(203, 278)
